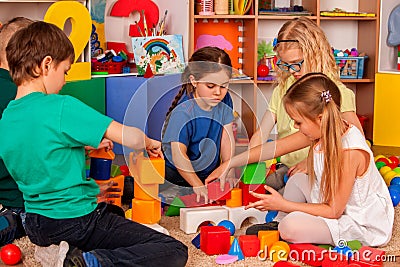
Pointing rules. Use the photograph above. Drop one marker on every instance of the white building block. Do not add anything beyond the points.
(238, 214)
(158, 228)
(191, 218)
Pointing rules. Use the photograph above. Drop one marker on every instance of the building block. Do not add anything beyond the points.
(196, 241)
(191, 201)
(236, 198)
(147, 170)
(191, 218)
(334, 259)
(279, 251)
(254, 173)
(91, 92)
(215, 193)
(115, 170)
(368, 257)
(267, 239)
(250, 245)
(246, 197)
(214, 240)
(237, 215)
(145, 191)
(146, 211)
(236, 250)
(307, 253)
(174, 208)
(102, 153)
(226, 259)
(115, 197)
(100, 168)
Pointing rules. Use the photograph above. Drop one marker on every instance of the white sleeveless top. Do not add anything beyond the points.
(369, 213)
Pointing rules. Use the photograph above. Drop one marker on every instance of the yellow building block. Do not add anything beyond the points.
(146, 211)
(386, 107)
(267, 239)
(145, 191)
(236, 198)
(279, 251)
(147, 170)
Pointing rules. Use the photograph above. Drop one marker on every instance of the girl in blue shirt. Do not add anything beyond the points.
(197, 133)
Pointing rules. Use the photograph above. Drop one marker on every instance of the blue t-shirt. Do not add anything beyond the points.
(200, 131)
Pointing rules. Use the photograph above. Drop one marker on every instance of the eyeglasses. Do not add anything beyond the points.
(296, 67)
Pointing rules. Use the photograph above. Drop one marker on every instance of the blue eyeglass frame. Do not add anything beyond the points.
(289, 66)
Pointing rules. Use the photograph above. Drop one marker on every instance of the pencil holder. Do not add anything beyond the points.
(221, 7)
(207, 7)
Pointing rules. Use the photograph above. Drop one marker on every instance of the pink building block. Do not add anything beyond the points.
(215, 193)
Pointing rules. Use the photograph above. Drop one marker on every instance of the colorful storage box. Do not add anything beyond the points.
(351, 67)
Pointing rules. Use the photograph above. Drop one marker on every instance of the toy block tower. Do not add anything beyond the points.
(252, 179)
(148, 174)
(100, 171)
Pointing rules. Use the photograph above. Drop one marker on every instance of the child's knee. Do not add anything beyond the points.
(288, 227)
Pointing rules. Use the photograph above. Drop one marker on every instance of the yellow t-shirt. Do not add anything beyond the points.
(285, 125)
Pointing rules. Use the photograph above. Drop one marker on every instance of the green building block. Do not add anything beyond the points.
(174, 208)
(326, 246)
(115, 170)
(254, 173)
(91, 92)
(354, 244)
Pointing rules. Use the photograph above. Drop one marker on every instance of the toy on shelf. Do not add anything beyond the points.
(350, 63)
(207, 7)
(337, 12)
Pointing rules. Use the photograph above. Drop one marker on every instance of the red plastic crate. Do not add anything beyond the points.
(110, 67)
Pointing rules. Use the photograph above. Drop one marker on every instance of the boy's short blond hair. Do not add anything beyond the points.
(7, 30)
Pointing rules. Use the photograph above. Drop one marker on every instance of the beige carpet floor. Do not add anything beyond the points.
(199, 258)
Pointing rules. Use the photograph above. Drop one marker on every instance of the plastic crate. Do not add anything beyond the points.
(110, 67)
(351, 67)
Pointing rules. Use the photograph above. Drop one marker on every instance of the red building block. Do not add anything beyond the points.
(368, 257)
(214, 240)
(334, 259)
(246, 197)
(250, 245)
(215, 193)
(307, 253)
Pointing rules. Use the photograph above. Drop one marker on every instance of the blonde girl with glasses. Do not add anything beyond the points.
(301, 47)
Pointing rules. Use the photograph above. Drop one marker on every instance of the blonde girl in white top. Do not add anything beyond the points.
(344, 198)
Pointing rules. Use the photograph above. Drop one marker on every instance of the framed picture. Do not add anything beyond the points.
(163, 53)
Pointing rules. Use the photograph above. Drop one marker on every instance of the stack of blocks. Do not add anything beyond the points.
(148, 174)
(100, 171)
(252, 179)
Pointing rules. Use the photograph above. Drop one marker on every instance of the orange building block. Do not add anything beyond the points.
(145, 191)
(147, 170)
(267, 239)
(118, 184)
(102, 154)
(146, 211)
(279, 251)
(236, 198)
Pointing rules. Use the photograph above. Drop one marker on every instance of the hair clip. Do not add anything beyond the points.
(326, 95)
(275, 42)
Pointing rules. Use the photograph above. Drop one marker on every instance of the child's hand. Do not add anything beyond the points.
(108, 191)
(300, 167)
(273, 201)
(221, 172)
(201, 191)
(153, 148)
(105, 143)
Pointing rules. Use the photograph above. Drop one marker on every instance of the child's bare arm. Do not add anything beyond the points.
(262, 133)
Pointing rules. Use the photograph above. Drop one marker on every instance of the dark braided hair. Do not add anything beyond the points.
(198, 70)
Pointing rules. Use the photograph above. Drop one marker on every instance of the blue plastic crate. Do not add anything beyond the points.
(351, 67)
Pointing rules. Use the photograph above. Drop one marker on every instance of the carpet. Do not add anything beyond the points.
(199, 258)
